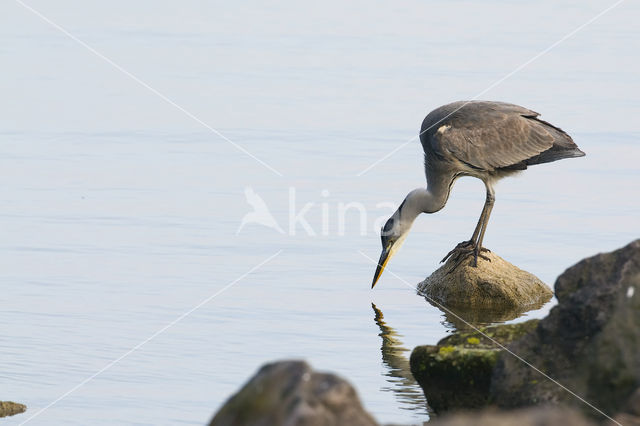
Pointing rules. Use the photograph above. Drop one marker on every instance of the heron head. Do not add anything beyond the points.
(392, 235)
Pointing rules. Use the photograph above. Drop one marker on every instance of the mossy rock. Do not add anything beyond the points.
(456, 373)
(589, 342)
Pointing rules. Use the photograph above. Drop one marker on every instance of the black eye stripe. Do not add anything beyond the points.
(388, 226)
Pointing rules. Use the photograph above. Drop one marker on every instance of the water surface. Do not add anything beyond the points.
(119, 212)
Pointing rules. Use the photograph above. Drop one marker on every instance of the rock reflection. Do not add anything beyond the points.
(395, 358)
(460, 319)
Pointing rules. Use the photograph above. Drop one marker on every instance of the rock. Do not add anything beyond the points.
(8, 408)
(290, 393)
(589, 342)
(624, 419)
(534, 416)
(630, 415)
(490, 285)
(456, 373)
(633, 404)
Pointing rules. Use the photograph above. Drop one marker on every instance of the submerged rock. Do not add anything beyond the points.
(589, 342)
(465, 319)
(291, 393)
(492, 284)
(534, 416)
(456, 373)
(8, 408)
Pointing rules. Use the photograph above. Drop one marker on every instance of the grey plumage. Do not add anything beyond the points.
(489, 136)
(487, 140)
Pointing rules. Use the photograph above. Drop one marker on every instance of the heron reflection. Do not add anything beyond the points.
(395, 358)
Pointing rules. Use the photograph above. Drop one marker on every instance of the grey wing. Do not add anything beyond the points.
(499, 139)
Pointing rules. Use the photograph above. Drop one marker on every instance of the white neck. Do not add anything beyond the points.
(418, 201)
(422, 200)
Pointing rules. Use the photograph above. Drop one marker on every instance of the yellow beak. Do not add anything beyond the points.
(384, 258)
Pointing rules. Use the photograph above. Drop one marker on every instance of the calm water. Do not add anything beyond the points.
(119, 213)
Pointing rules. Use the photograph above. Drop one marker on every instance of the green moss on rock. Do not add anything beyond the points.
(456, 373)
(589, 342)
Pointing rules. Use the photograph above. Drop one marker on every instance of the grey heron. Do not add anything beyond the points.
(486, 140)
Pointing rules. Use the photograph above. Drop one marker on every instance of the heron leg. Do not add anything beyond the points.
(476, 231)
(474, 245)
(484, 218)
(469, 245)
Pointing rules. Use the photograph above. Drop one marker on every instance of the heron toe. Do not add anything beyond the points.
(477, 254)
(465, 249)
(465, 245)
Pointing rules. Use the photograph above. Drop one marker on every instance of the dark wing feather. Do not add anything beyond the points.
(493, 135)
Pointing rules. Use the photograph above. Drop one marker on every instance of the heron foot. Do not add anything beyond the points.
(464, 250)
(463, 246)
